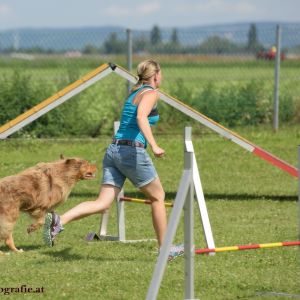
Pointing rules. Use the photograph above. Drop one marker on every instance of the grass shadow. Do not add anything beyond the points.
(207, 196)
(225, 196)
(216, 196)
(64, 254)
(24, 247)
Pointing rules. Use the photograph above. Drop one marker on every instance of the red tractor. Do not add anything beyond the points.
(269, 54)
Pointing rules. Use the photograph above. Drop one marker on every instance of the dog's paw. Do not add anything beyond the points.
(18, 251)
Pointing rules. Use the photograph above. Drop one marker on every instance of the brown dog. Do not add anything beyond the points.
(38, 190)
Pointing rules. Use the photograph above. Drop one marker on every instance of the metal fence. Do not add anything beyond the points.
(228, 54)
(213, 45)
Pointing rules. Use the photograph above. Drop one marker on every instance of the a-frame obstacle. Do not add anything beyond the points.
(104, 70)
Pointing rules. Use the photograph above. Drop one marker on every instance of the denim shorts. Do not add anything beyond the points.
(122, 161)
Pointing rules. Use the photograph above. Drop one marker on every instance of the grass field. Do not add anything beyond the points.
(194, 70)
(248, 201)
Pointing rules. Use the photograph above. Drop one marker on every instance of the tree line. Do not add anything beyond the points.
(154, 42)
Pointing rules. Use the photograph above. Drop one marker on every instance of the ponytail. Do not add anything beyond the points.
(145, 71)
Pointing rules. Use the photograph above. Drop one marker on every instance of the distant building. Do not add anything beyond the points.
(73, 54)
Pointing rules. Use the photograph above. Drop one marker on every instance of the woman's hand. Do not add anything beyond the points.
(157, 151)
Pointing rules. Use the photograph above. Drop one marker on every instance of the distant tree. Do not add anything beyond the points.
(38, 50)
(253, 43)
(252, 36)
(173, 46)
(174, 37)
(217, 45)
(155, 35)
(140, 43)
(90, 49)
(114, 45)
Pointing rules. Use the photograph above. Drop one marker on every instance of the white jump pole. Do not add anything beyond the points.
(120, 213)
(189, 246)
(199, 192)
(120, 204)
(184, 199)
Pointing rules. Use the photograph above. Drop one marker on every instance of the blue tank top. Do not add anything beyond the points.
(129, 129)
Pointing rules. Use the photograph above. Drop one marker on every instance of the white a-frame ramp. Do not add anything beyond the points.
(105, 69)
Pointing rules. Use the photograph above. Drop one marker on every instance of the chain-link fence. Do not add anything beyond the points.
(203, 66)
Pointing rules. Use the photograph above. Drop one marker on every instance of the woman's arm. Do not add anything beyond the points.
(145, 106)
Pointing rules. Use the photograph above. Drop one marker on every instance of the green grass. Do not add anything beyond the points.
(195, 71)
(248, 201)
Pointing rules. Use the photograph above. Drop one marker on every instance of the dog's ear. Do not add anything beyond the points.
(71, 161)
(62, 156)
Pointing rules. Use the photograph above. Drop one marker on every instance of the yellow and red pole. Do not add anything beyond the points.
(142, 201)
(247, 247)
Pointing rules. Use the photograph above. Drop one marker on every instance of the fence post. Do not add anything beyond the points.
(276, 83)
(129, 55)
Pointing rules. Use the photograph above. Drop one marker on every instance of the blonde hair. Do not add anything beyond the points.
(145, 71)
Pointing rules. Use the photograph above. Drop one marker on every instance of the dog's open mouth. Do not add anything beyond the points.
(89, 175)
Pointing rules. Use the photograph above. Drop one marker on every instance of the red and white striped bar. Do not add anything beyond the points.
(142, 201)
(247, 247)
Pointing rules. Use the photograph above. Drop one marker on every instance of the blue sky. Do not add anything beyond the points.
(139, 14)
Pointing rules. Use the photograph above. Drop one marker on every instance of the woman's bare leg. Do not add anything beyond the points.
(155, 192)
(106, 196)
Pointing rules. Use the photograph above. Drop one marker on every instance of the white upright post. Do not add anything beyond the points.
(189, 247)
(199, 192)
(104, 223)
(121, 217)
(120, 212)
(185, 191)
(120, 204)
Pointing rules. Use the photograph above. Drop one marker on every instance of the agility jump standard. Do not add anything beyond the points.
(220, 249)
(184, 200)
(121, 199)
